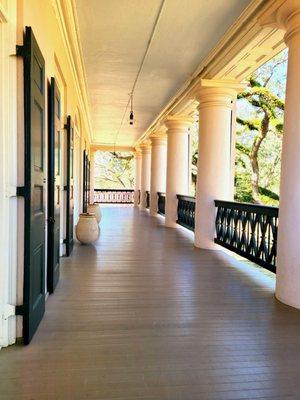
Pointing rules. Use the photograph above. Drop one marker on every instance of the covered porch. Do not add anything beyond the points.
(143, 314)
(186, 294)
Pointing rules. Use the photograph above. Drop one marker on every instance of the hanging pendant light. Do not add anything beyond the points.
(131, 115)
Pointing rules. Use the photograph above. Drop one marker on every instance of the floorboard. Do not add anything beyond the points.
(145, 315)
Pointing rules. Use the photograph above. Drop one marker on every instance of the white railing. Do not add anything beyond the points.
(114, 196)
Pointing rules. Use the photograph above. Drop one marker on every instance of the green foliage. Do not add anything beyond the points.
(259, 137)
(194, 149)
(268, 193)
(243, 192)
(253, 125)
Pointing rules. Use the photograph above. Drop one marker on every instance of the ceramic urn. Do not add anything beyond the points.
(87, 229)
(95, 209)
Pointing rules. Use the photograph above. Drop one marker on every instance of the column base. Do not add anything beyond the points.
(287, 302)
(171, 224)
(206, 244)
(287, 298)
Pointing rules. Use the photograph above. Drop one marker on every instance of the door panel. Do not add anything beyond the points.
(70, 186)
(34, 180)
(86, 181)
(84, 189)
(54, 182)
(88, 184)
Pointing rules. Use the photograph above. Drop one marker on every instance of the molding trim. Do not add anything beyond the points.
(3, 14)
(65, 12)
(242, 49)
(10, 223)
(104, 147)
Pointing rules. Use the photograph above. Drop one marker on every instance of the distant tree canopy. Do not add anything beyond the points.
(260, 111)
(114, 170)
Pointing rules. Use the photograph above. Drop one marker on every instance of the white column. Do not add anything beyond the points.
(288, 245)
(158, 169)
(214, 177)
(92, 177)
(146, 170)
(177, 164)
(137, 180)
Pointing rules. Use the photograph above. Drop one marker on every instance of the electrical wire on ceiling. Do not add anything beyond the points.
(130, 100)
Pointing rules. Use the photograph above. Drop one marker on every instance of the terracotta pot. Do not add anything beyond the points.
(87, 229)
(95, 209)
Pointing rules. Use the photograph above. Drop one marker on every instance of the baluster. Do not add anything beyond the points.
(249, 230)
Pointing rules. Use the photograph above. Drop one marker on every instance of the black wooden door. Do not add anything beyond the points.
(34, 181)
(88, 181)
(54, 182)
(70, 186)
(85, 180)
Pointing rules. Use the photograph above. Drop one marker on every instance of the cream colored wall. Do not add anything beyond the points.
(41, 17)
(8, 172)
(45, 26)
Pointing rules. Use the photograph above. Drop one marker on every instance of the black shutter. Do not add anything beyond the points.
(33, 190)
(70, 186)
(54, 177)
(85, 181)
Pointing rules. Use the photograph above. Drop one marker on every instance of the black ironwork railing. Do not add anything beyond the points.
(147, 199)
(186, 211)
(161, 203)
(249, 230)
(114, 196)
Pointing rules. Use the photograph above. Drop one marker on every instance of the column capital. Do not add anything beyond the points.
(285, 14)
(145, 147)
(137, 152)
(178, 123)
(158, 138)
(217, 93)
(92, 153)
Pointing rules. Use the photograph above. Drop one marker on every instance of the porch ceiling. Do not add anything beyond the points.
(114, 36)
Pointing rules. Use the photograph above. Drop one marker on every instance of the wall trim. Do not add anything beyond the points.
(226, 59)
(8, 174)
(65, 12)
(245, 31)
(3, 14)
(104, 147)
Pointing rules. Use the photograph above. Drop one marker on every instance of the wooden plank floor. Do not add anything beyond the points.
(145, 315)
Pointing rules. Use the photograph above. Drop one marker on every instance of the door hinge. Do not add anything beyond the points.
(51, 220)
(21, 191)
(19, 310)
(9, 311)
(20, 50)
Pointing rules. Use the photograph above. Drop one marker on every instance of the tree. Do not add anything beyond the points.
(194, 148)
(114, 170)
(262, 118)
